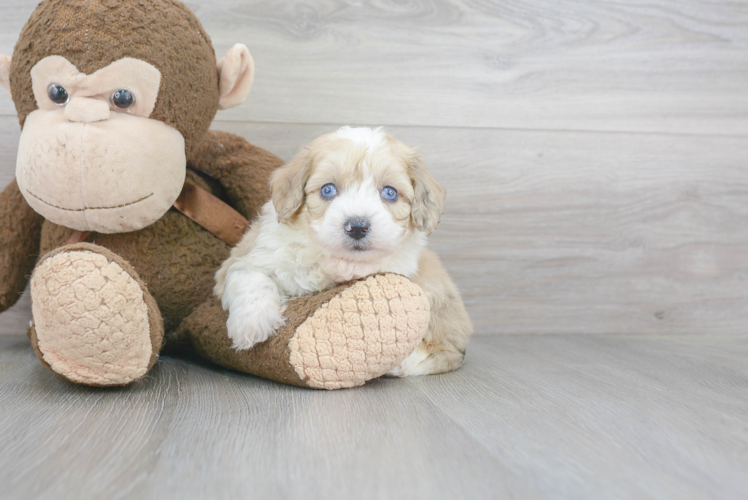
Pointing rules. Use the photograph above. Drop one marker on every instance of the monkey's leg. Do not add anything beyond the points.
(335, 339)
(95, 322)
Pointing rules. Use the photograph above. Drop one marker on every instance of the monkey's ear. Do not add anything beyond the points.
(236, 72)
(5, 72)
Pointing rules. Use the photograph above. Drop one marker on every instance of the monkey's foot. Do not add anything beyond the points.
(94, 321)
(361, 333)
(335, 339)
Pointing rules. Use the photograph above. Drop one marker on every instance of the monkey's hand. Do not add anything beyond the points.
(20, 233)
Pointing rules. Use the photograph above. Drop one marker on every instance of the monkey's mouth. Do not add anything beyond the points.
(90, 208)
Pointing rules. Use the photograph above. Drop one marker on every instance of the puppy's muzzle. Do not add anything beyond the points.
(357, 227)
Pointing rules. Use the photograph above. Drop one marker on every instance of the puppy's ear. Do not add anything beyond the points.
(428, 198)
(287, 185)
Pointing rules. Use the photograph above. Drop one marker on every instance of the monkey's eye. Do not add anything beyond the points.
(57, 94)
(389, 193)
(328, 191)
(123, 99)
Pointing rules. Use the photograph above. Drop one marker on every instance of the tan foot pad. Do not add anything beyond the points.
(360, 334)
(91, 318)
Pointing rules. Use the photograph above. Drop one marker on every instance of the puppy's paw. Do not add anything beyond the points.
(409, 366)
(253, 323)
(424, 361)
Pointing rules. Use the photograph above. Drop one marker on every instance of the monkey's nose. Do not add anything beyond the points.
(357, 227)
(86, 110)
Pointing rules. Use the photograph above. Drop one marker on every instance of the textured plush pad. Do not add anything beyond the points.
(94, 321)
(361, 334)
(335, 339)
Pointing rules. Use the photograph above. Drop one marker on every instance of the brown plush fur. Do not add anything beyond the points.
(210, 317)
(19, 244)
(241, 168)
(92, 34)
(175, 256)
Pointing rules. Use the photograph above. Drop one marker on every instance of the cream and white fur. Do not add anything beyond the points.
(301, 242)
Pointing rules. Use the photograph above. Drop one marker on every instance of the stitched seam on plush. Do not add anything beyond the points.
(81, 173)
(90, 208)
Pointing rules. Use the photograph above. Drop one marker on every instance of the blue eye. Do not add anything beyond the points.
(389, 193)
(328, 191)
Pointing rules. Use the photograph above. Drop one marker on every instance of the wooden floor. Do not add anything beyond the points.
(571, 416)
(595, 153)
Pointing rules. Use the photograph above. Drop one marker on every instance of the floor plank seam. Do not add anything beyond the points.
(656, 133)
(503, 129)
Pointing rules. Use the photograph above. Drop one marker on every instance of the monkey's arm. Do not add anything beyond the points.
(241, 168)
(20, 232)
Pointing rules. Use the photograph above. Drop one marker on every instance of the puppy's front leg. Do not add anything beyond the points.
(443, 347)
(254, 305)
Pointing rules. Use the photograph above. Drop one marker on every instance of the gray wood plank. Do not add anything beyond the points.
(573, 417)
(551, 232)
(10, 132)
(608, 416)
(651, 65)
(14, 321)
(193, 431)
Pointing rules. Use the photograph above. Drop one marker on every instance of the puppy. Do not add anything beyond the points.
(353, 203)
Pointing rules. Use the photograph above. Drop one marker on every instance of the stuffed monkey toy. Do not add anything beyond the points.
(124, 205)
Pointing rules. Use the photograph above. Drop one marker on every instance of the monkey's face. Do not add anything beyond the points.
(90, 158)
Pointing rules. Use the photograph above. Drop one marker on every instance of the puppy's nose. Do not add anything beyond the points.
(357, 227)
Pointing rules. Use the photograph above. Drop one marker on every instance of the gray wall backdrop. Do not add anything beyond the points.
(595, 152)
